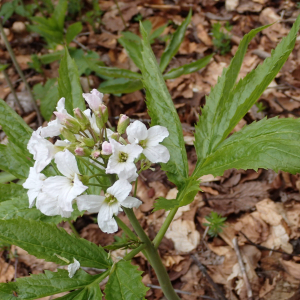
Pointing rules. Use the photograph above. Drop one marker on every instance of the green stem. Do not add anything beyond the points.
(164, 227)
(74, 229)
(87, 166)
(13, 58)
(102, 185)
(153, 257)
(134, 252)
(125, 228)
(135, 187)
(98, 162)
(101, 174)
(13, 92)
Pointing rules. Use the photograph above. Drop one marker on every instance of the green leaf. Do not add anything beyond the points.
(82, 58)
(6, 292)
(112, 72)
(125, 283)
(60, 13)
(133, 48)
(162, 112)
(52, 35)
(269, 144)
(120, 86)
(69, 85)
(156, 33)
(47, 241)
(14, 126)
(50, 283)
(13, 160)
(3, 67)
(6, 177)
(90, 292)
(188, 68)
(166, 204)
(7, 9)
(11, 190)
(51, 57)
(48, 96)
(228, 102)
(72, 31)
(175, 43)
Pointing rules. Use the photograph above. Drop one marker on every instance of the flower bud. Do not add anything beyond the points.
(84, 179)
(73, 125)
(95, 154)
(115, 136)
(87, 141)
(106, 148)
(82, 151)
(67, 134)
(81, 118)
(101, 116)
(72, 147)
(123, 124)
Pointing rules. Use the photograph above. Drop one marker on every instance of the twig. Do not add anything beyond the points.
(17, 102)
(209, 279)
(16, 267)
(181, 292)
(120, 13)
(242, 267)
(13, 58)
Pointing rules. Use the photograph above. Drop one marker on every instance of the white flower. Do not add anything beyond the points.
(65, 189)
(34, 184)
(72, 268)
(53, 128)
(92, 119)
(122, 159)
(109, 205)
(94, 99)
(149, 139)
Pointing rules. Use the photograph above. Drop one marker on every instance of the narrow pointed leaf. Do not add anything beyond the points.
(90, 292)
(120, 86)
(69, 85)
(269, 144)
(125, 283)
(72, 31)
(162, 112)
(175, 43)
(45, 240)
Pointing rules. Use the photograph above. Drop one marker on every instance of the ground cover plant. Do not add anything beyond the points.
(79, 163)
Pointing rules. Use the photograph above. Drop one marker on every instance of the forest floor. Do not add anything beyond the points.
(262, 208)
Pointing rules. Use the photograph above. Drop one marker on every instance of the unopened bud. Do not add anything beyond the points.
(101, 116)
(82, 151)
(87, 141)
(84, 179)
(115, 136)
(73, 125)
(72, 147)
(81, 118)
(67, 134)
(123, 124)
(95, 154)
(106, 148)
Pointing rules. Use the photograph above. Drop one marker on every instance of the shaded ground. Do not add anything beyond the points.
(262, 208)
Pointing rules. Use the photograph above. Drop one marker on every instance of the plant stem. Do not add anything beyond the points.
(134, 252)
(13, 58)
(120, 13)
(164, 227)
(17, 102)
(101, 174)
(74, 229)
(125, 228)
(153, 257)
(135, 187)
(102, 186)
(98, 162)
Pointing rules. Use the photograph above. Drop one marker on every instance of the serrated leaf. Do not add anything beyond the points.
(14, 126)
(166, 204)
(120, 86)
(227, 103)
(13, 160)
(6, 292)
(162, 112)
(6, 177)
(48, 96)
(188, 68)
(72, 31)
(269, 144)
(69, 85)
(125, 283)
(45, 240)
(11, 190)
(91, 292)
(51, 283)
(173, 46)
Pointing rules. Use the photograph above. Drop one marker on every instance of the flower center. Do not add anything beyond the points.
(143, 143)
(123, 157)
(110, 199)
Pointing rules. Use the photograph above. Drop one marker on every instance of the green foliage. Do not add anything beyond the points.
(47, 241)
(35, 63)
(72, 31)
(216, 224)
(48, 96)
(123, 242)
(8, 191)
(162, 112)
(90, 292)
(221, 39)
(120, 86)
(69, 85)
(6, 177)
(93, 17)
(125, 283)
(7, 9)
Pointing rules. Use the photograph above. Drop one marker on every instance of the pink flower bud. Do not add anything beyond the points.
(122, 119)
(106, 148)
(97, 93)
(123, 124)
(95, 154)
(79, 151)
(61, 116)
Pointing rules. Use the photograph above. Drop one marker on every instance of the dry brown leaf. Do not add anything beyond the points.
(292, 268)
(7, 271)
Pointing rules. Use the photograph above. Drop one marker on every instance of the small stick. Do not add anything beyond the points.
(242, 267)
(13, 58)
(209, 279)
(17, 102)
(120, 13)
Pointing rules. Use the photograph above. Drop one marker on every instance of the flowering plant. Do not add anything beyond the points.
(92, 168)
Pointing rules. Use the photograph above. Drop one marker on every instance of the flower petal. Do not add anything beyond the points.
(72, 268)
(108, 226)
(133, 152)
(66, 163)
(91, 203)
(137, 131)
(158, 153)
(156, 134)
(131, 202)
(52, 129)
(94, 99)
(129, 174)
(120, 189)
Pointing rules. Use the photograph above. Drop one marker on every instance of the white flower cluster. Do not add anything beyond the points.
(86, 136)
